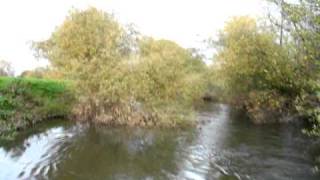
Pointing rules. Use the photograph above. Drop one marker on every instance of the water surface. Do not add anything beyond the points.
(224, 146)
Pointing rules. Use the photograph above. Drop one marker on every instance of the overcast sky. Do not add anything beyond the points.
(187, 22)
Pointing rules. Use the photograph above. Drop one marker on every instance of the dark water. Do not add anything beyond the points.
(225, 146)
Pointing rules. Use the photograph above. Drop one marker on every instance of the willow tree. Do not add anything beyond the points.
(118, 77)
(169, 81)
(256, 70)
(87, 49)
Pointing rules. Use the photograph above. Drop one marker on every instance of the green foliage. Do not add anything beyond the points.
(24, 102)
(166, 69)
(87, 49)
(302, 22)
(268, 78)
(309, 106)
(257, 72)
(116, 85)
(166, 79)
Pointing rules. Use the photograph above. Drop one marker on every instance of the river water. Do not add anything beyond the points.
(225, 146)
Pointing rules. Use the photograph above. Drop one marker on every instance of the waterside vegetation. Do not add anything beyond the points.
(26, 101)
(111, 74)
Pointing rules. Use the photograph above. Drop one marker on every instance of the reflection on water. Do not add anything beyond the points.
(224, 146)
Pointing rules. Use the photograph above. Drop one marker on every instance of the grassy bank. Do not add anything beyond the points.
(26, 101)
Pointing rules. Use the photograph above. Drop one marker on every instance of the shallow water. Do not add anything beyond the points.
(224, 146)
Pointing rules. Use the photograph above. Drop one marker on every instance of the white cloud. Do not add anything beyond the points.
(186, 22)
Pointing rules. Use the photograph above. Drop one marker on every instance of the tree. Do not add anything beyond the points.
(168, 68)
(119, 77)
(256, 71)
(87, 49)
(166, 81)
(303, 27)
(6, 68)
(279, 25)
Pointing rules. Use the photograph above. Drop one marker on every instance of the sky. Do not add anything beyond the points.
(187, 22)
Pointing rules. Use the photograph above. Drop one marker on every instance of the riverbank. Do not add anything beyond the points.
(27, 101)
(227, 146)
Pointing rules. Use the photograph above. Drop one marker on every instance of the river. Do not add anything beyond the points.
(225, 146)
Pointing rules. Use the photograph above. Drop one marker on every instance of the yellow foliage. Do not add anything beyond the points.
(114, 86)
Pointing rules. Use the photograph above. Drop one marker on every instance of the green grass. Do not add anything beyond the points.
(46, 86)
(26, 101)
